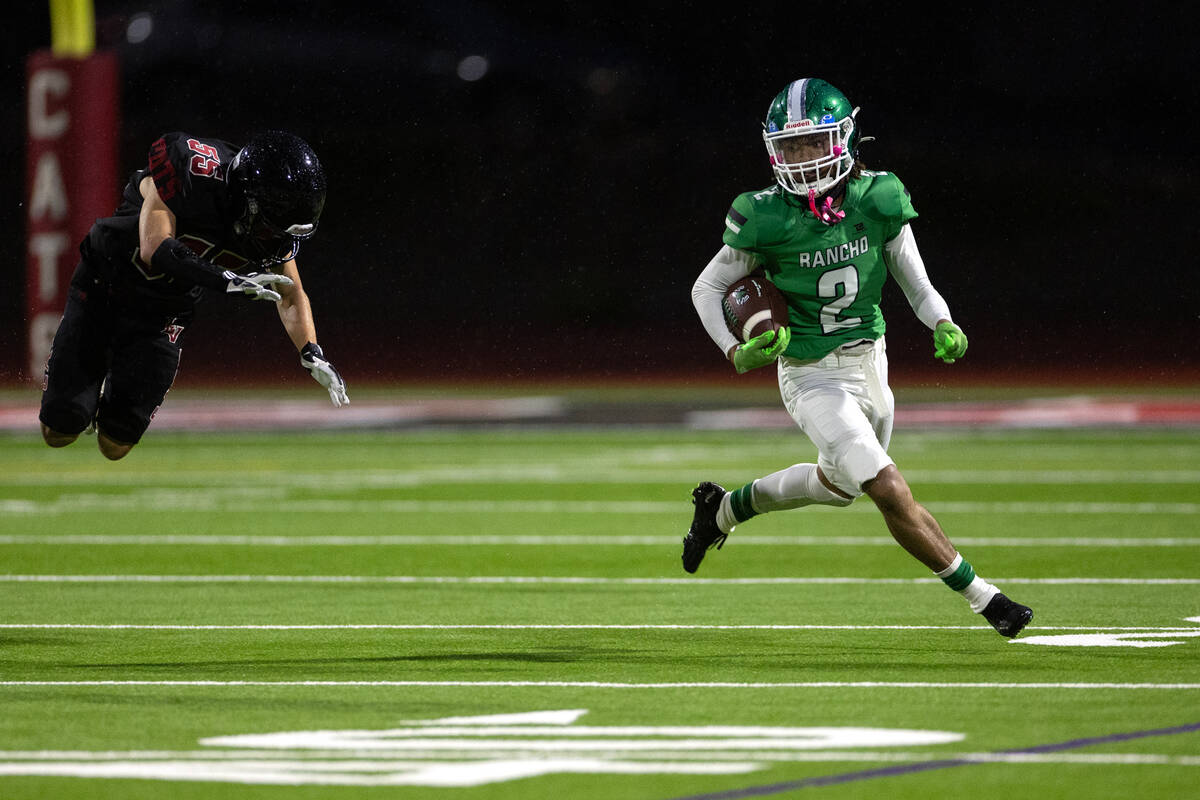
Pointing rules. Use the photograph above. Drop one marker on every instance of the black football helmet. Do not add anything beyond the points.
(278, 189)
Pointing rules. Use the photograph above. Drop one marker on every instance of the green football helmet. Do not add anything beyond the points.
(811, 135)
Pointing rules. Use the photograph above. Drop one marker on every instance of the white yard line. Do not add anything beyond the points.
(620, 685)
(552, 540)
(551, 626)
(491, 580)
(625, 469)
(234, 500)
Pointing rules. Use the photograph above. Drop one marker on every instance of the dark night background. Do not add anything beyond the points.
(548, 219)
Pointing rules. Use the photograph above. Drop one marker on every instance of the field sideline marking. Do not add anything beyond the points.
(626, 470)
(618, 684)
(543, 540)
(490, 580)
(514, 626)
(244, 500)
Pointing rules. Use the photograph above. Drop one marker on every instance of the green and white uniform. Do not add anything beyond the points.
(832, 276)
(833, 375)
(831, 262)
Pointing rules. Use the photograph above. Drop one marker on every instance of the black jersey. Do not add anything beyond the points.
(189, 173)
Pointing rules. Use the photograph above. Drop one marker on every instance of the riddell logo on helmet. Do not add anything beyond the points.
(803, 123)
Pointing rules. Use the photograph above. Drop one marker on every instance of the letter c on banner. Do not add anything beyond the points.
(45, 85)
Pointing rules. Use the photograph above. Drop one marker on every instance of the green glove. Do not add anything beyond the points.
(761, 350)
(949, 342)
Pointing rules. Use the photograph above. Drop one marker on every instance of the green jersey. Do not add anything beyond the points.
(831, 275)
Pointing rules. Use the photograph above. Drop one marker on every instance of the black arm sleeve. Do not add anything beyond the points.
(176, 259)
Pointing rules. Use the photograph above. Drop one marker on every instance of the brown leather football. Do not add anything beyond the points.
(754, 306)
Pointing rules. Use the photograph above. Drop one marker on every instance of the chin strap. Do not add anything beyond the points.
(826, 213)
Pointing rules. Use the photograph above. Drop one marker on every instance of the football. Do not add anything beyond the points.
(754, 306)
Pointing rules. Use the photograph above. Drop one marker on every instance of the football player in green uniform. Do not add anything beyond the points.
(828, 234)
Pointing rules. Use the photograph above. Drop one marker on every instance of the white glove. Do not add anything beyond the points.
(313, 360)
(256, 285)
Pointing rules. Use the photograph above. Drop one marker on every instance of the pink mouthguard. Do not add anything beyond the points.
(827, 213)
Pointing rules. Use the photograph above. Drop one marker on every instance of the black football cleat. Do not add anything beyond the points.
(704, 532)
(1007, 617)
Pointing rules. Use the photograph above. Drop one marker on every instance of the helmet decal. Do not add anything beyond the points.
(810, 134)
(797, 99)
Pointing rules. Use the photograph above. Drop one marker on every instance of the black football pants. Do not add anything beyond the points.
(133, 357)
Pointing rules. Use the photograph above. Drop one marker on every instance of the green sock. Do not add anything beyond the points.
(958, 575)
(739, 502)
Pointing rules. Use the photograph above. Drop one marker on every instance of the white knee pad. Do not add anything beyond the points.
(835, 499)
(853, 462)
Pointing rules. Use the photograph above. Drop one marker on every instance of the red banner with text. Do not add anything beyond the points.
(72, 129)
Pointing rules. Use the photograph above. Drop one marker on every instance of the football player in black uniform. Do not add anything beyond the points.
(202, 215)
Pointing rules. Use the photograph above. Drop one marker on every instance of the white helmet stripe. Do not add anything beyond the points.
(796, 94)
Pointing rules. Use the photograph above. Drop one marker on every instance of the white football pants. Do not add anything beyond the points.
(843, 404)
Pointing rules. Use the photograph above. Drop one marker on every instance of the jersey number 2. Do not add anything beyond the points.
(841, 285)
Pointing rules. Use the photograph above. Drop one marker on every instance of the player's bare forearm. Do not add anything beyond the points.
(295, 311)
(299, 330)
(296, 316)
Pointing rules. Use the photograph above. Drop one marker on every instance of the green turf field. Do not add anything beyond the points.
(502, 614)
